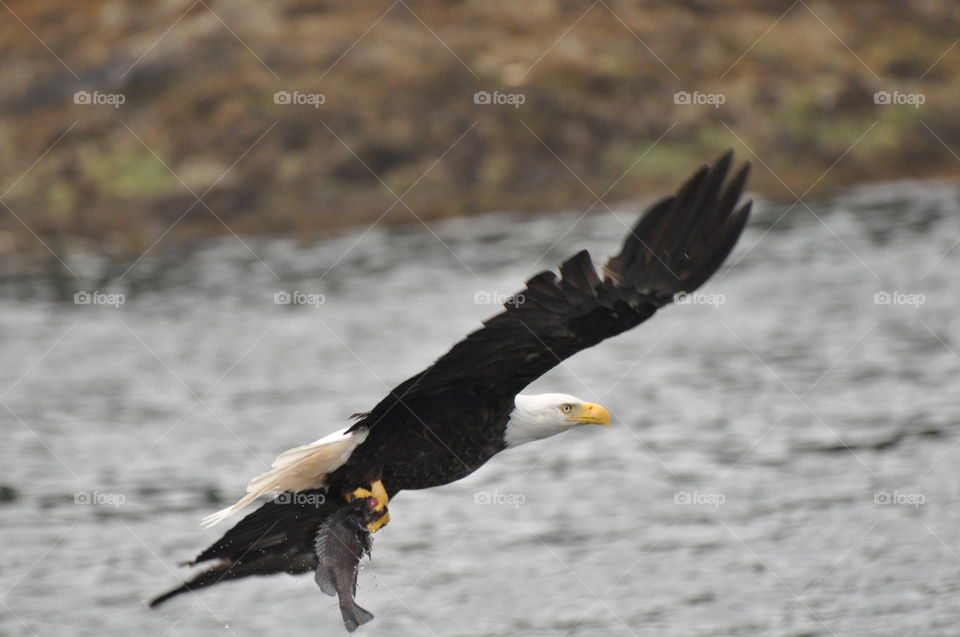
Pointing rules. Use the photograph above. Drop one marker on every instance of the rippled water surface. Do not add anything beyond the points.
(783, 461)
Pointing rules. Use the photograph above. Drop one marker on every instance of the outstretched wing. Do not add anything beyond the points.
(677, 244)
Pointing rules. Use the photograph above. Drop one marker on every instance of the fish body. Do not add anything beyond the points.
(341, 541)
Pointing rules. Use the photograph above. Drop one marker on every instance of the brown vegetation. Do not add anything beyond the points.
(398, 80)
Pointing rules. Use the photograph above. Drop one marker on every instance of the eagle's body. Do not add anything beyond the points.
(447, 421)
(435, 442)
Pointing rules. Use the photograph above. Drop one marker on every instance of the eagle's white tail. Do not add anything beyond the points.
(298, 469)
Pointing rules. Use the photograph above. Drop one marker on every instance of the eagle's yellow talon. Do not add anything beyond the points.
(379, 523)
(379, 493)
(359, 493)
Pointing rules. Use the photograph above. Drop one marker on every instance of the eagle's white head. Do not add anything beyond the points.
(537, 416)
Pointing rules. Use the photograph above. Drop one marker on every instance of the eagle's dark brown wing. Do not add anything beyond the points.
(677, 244)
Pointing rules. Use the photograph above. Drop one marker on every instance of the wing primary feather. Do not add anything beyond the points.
(702, 216)
(733, 192)
(724, 245)
(579, 277)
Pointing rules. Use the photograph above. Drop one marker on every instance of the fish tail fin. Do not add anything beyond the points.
(354, 615)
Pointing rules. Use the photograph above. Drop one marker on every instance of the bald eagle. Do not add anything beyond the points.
(448, 420)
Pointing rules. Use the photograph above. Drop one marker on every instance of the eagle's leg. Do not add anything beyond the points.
(379, 493)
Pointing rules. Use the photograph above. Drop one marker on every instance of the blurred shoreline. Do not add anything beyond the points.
(131, 128)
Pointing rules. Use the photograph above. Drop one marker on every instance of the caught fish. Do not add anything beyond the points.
(340, 543)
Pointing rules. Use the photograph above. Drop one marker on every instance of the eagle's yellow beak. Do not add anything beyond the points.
(592, 414)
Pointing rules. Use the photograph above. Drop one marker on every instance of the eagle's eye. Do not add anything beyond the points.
(567, 408)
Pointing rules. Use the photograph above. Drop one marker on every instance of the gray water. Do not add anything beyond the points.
(783, 458)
